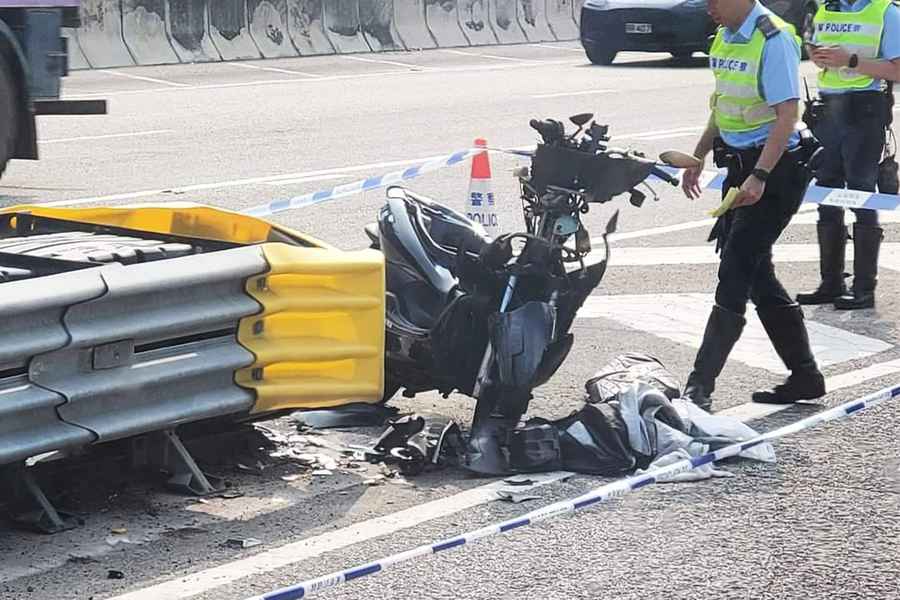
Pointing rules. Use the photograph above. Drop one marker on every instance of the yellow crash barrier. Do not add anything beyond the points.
(319, 340)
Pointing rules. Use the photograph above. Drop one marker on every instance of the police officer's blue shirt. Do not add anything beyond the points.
(779, 76)
(890, 38)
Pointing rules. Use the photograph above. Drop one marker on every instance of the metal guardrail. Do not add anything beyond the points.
(123, 350)
(269, 322)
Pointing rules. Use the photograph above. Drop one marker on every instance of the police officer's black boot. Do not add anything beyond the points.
(723, 329)
(787, 332)
(832, 245)
(866, 243)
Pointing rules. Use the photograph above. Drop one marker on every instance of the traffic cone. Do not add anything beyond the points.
(480, 206)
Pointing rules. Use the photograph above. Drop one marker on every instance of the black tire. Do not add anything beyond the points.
(9, 115)
(600, 56)
(681, 54)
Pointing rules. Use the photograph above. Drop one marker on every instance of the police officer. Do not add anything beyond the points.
(858, 48)
(755, 59)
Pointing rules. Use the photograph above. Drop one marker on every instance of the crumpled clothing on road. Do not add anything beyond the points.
(633, 420)
(700, 473)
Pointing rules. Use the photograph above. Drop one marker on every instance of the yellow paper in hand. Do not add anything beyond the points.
(726, 203)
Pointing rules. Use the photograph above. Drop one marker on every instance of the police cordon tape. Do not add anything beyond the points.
(710, 180)
(615, 489)
(363, 185)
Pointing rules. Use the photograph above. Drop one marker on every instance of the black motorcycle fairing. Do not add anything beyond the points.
(519, 339)
(445, 231)
(458, 340)
(404, 241)
(602, 176)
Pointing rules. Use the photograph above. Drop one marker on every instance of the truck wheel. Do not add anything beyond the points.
(9, 115)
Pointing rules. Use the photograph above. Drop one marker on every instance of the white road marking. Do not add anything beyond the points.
(492, 56)
(567, 94)
(668, 136)
(289, 554)
(108, 136)
(386, 62)
(237, 182)
(282, 182)
(664, 229)
(751, 410)
(580, 50)
(811, 218)
(299, 177)
(681, 318)
(270, 69)
(653, 134)
(700, 255)
(142, 78)
(216, 86)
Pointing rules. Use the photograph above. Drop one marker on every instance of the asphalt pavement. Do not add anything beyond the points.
(821, 522)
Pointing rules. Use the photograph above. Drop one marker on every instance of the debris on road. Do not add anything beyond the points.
(351, 415)
(242, 543)
(515, 498)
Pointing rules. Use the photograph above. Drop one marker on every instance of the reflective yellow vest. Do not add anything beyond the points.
(858, 33)
(736, 102)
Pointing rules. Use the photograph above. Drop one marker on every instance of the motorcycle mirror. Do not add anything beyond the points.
(581, 119)
(680, 160)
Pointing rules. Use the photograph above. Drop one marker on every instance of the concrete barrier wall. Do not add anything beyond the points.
(377, 20)
(144, 30)
(307, 27)
(505, 21)
(269, 28)
(229, 29)
(533, 19)
(561, 18)
(475, 21)
(187, 26)
(100, 34)
(117, 33)
(409, 19)
(442, 18)
(343, 27)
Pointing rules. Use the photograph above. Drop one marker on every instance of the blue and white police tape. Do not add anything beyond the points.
(709, 180)
(615, 489)
(363, 185)
(814, 194)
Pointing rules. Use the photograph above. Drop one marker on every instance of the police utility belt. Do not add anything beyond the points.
(743, 160)
(865, 102)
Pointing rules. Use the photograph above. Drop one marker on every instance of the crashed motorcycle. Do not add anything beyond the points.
(491, 318)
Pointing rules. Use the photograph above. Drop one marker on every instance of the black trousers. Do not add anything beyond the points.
(746, 234)
(852, 136)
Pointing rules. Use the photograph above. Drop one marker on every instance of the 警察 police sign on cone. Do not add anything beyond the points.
(480, 206)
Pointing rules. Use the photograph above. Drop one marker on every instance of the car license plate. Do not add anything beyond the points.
(638, 28)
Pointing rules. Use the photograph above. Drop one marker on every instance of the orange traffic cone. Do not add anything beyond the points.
(480, 206)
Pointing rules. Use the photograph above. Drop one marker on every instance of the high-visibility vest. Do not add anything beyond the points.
(736, 101)
(858, 33)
